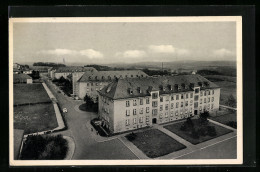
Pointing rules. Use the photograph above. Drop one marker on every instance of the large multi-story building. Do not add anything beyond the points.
(57, 72)
(92, 81)
(131, 103)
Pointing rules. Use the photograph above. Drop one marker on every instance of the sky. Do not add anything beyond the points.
(104, 43)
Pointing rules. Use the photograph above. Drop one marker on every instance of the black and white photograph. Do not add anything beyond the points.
(125, 90)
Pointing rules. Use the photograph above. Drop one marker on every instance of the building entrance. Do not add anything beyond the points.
(195, 112)
(154, 120)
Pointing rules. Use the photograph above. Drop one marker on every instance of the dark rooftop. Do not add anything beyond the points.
(130, 87)
(111, 75)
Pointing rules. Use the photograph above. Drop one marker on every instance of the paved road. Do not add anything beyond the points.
(223, 150)
(87, 147)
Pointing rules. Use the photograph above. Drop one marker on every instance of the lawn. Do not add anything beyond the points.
(227, 85)
(30, 93)
(35, 118)
(226, 119)
(175, 128)
(227, 88)
(155, 143)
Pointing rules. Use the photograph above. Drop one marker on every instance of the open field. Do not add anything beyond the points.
(35, 118)
(227, 89)
(217, 78)
(226, 118)
(175, 128)
(30, 93)
(154, 143)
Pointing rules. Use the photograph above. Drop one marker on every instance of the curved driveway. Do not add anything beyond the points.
(86, 146)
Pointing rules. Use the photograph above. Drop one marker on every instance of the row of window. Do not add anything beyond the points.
(207, 92)
(173, 97)
(205, 100)
(96, 84)
(154, 111)
(120, 76)
(141, 120)
(92, 89)
(161, 100)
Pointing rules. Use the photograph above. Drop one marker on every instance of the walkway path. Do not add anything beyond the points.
(60, 121)
(228, 107)
(71, 148)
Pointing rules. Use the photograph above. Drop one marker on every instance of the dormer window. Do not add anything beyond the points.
(96, 77)
(170, 87)
(176, 86)
(130, 91)
(206, 83)
(183, 85)
(103, 77)
(139, 89)
(126, 76)
(192, 85)
(132, 76)
(164, 88)
(89, 77)
(200, 84)
(109, 77)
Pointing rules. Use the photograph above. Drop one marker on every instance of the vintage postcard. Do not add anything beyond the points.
(125, 91)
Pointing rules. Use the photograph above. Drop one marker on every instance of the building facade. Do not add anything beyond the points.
(58, 72)
(92, 81)
(128, 104)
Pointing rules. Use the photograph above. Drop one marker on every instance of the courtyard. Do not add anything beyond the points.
(187, 134)
(154, 143)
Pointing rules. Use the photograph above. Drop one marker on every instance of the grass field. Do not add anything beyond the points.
(154, 143)
(227, 88)
(225, 118)
(30, 93)
(175, 128)
(215, 78)
(227, 84)
(35, 118)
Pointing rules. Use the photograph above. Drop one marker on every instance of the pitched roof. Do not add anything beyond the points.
(110, 75)
(21, 76)
(121, 88)
(73, 69)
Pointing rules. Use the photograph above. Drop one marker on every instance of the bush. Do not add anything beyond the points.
(44, 148)
(189, 123)
(202, 131)
(194, 134)
(183, 127)
(211, 131)
(131, 137)
(232, 124)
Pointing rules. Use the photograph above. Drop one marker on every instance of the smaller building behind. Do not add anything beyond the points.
(22, 78)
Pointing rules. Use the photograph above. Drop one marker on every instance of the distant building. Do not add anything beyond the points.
(27, 71)
(186, 71)
(131, 103)
(22, 78)
(16, 71)
(91, 81)
(57, 72)
(41, 69)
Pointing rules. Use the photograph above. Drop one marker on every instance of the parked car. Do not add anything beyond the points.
(64, 110)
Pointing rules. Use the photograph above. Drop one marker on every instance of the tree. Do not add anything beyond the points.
(231, 101)
(89, 101)
(204, 118)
